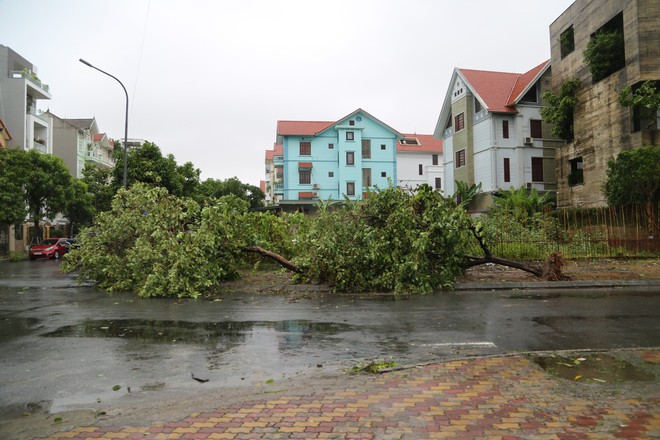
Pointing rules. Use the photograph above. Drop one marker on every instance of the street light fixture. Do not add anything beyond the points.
(87, 63)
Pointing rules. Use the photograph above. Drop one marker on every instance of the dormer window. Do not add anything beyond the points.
(410, 141)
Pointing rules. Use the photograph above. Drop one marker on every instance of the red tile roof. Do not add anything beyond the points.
(276, 151)
(307, 128)
(98, 136)
(427, 144)
(499, 90)
(524, 81)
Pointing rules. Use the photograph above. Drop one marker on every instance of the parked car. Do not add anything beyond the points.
(73, 243)
(49, 248)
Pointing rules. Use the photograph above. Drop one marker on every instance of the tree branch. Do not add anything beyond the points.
(273, 256)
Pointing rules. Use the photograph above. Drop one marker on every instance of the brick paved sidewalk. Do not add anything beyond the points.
(493, 398)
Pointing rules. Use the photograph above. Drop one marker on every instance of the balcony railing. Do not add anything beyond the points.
(279, 158)
(30, 77)
(38, 113)
(39, 147)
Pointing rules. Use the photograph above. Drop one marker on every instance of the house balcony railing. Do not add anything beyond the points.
(278, 158)
(278, 187)
(39, 146)
(30, 77)
(37, 113)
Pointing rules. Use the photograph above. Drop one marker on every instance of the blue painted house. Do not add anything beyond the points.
(326, 160)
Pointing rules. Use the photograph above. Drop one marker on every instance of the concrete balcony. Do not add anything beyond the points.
(98, 158)
(39, 90)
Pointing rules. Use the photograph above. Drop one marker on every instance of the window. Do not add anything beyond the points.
(507, 169)
(531, 95)
(567, 42)
(438, 183)
(304, 176)
(434, 158)
(351, 122)
(366, 148)
(537, 169)
(383, 147)
(605, 52)
(535, 128)
(421, 169)
(460, 158)
(350, 136)
(366, 177)
(477, 105)
(331, 146)
(576, 176)
(383, 174)
(350, 158)
(448, 124)
(459, 122)
(305, 148)
(505, 129)
(350, 188)
(331, 174)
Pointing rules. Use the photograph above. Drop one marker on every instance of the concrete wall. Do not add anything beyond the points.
(602, 126)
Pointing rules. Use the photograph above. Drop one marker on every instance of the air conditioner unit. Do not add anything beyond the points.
(529, 185)
(315, 186)
(315, 195)
(528, 140)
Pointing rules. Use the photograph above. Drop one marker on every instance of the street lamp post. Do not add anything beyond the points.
(125, 119)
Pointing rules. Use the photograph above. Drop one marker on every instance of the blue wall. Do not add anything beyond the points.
(327, 160)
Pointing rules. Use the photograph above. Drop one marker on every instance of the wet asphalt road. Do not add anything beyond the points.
(63, 346)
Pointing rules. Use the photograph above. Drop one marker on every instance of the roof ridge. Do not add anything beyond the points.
(490, 71)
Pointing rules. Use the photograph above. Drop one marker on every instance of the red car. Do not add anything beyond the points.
(49, 248)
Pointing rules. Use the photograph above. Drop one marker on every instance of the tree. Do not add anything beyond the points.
(646, 100)
(465, 193)
(99, 184)
(560, 110)
(393, 241)
(147, 164)
(214, 189)
(634, 177)
(79, 207)
(40, 183)
(605, 53)
(156, 244)
(520, 203)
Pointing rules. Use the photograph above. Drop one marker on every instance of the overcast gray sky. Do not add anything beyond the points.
(208, 79)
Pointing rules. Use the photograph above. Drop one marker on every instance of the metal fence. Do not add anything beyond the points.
(578, 233)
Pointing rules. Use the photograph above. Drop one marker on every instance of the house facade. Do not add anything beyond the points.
(273, 185)
(21, 90)
(493, 133)
(78, 142)
(602, 127)
(419, 161)
(331, 160)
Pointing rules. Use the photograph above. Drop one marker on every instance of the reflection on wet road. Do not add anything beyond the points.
(63, 344)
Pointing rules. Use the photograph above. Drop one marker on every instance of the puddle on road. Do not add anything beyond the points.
(11, 328)
(593, 368)
(189, 332)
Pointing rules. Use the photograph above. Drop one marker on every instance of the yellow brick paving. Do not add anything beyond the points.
(484, 398)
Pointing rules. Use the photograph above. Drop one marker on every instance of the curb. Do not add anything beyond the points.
(536, 285)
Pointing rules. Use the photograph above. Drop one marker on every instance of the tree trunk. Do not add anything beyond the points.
(273, 256)
(36, 218)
